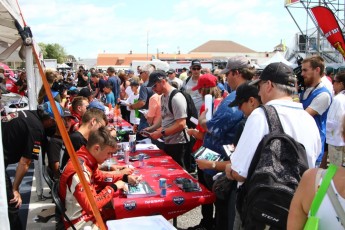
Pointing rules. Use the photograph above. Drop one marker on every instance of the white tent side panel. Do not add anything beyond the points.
(8, 35)
(3, 196)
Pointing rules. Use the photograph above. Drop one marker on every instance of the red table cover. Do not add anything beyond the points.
(176, 202)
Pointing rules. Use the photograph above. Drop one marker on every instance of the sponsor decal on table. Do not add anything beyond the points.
(178, 200)
(130, 205)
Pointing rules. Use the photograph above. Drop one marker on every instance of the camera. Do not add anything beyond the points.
(298, 72)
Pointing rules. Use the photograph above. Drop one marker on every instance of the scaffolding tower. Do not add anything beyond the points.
(310, 39)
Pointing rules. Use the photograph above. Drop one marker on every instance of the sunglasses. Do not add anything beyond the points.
(155, 85)
(196, 68)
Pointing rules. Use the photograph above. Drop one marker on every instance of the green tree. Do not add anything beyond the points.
(53, 51)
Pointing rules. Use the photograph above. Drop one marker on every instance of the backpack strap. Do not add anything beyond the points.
(172, 94)
(336, 204)
(188, 78)
(321, 192)
(273, 120)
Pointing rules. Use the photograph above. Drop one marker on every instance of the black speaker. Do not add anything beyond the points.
(302, 39)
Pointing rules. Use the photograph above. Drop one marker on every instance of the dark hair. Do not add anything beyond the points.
(78, 101)
(108, 85)
(102, 137)
(340, 77)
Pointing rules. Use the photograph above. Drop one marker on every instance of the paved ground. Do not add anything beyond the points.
(32, 208)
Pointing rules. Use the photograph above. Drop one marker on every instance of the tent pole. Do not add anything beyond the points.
(29, 60)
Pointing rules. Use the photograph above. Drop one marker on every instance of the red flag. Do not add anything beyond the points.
(330, 27)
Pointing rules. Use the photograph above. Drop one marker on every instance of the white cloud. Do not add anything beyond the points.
(87, 27)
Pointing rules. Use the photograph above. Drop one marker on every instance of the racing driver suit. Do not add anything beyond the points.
(72, 194)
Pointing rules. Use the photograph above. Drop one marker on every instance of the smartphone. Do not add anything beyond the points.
(145, 133)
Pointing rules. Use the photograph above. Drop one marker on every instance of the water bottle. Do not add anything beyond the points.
(126, 155)
(132, 143)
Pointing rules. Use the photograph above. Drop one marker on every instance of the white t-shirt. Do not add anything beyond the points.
(296, 122)
(196, 96)
(328, 84)
(130, 100)
(327, 214)
(334, 121)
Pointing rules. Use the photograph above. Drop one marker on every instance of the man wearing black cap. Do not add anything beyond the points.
(247, 99)
(277, 84)
(85, 92)
(23, 134)
(174, 128)
(172, 78)
(192, 81)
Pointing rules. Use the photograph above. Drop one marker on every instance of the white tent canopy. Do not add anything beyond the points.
(63, 66)
(10, 41)
(277, 57)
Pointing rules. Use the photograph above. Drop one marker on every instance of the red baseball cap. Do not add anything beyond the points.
(206, 81)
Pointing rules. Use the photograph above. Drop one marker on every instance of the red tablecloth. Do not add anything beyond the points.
(176, 202)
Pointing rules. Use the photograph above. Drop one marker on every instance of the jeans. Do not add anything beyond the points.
(13, 212)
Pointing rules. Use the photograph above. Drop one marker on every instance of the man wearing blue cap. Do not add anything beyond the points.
(23, 134)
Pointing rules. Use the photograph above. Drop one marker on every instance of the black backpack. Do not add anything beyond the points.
(273, 176)
(191, 109)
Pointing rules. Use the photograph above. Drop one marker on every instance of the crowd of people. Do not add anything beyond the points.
(159, 105)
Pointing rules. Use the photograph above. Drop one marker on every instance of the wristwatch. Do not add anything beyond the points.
(163, 132)
(214, 165)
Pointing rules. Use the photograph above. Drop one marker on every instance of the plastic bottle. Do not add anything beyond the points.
(117, 116)
(111, 114)
(132, 142)
(126, 155)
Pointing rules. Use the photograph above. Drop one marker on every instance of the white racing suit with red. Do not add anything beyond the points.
(72, 194)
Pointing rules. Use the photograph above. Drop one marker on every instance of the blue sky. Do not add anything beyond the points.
(85, 27)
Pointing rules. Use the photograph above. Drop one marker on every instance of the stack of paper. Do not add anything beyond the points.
(142, 223)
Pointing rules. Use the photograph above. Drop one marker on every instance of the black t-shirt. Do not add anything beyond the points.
(22, 136)
(54, 149)
(81, 81)
(78, 141)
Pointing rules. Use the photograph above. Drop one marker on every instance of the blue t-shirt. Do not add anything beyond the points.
(115, 82)
(110, 99)
(223, 126)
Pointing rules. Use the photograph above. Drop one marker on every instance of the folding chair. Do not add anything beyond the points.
(47, 178)
(59, 205)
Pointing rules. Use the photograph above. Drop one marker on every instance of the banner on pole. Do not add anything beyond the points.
(330, 27)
